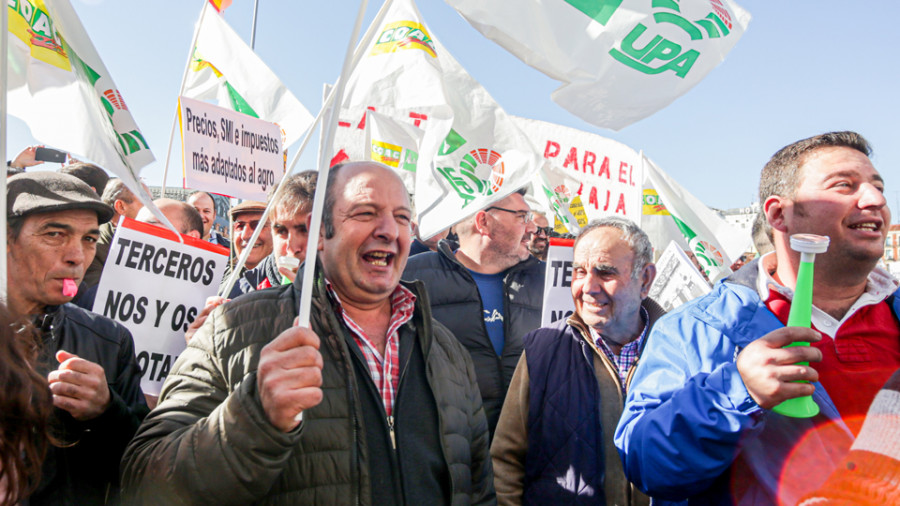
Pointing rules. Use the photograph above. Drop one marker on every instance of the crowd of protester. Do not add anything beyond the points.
(425, 376)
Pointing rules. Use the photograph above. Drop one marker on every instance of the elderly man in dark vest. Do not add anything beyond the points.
(554, 440)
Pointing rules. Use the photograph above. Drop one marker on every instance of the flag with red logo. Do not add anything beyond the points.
(619, 60)
(58, 85)
(471, 153)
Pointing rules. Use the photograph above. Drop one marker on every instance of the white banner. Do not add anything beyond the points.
(155, 286)
(558, 303)
(592, 175)
(677, 279)
(619, 60)
(227, 152)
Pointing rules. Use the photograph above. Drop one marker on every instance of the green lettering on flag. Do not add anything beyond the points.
(451, 143)
(238, 103)
(598, 10)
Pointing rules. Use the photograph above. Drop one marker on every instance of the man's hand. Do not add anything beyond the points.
(770, 371)
(26, 158)
(289, 376)
(211, 303)
(79, 387)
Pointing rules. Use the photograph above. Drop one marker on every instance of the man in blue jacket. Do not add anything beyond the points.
(698, 424)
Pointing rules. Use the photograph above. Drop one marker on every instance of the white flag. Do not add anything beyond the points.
(224, 67)
(471, 153)
(59, 86)
(394, 144)
(619, 60)
(715, 243)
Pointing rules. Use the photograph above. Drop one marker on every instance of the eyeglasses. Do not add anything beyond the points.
(523, 216)
(544, 230)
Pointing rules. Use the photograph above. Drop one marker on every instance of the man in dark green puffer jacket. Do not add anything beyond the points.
(391, 412)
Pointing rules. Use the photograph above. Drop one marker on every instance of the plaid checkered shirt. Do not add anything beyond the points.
(630, 352)
(385, 370)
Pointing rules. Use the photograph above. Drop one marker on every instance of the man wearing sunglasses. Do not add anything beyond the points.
(489, 292)
(539, 240)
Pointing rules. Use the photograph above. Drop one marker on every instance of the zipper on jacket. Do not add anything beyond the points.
(390, 422)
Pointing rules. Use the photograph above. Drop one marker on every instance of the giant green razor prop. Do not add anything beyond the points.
(801, 314)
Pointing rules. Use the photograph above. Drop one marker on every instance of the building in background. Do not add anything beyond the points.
(891, 256)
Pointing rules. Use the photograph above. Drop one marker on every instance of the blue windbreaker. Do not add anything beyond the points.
(690, 430)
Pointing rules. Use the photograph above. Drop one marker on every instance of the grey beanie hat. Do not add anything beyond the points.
(45, 191)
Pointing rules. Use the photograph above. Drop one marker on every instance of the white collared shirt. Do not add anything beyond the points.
(881, 284)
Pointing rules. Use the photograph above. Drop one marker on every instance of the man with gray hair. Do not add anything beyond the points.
(568, 390)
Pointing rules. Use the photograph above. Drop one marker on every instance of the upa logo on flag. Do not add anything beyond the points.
(480, 172)
(655, 54)
(707, 252)
(401, 35)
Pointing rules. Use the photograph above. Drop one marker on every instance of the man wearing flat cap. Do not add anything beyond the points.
(53, 223)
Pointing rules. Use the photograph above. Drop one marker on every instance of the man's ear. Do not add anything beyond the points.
(119, 207)
(194, 234)
(647, 277)
(481, 223)
(775, 208)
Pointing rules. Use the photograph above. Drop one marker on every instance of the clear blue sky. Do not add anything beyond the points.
(802, 68)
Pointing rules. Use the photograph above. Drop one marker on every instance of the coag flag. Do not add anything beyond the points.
(59, 86)
(471, 153)
(586, 174)
(715, 243)
(224, 68)
(619, 60)
(395, 144)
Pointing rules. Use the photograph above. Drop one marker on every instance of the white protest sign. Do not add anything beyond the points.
(592, 175)
(558, 302)
(227, 152)
(677, 279)
(155, 286)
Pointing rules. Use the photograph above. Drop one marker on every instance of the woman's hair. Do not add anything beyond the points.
(25, 408)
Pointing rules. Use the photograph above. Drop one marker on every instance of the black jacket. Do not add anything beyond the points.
(87, 472)
(456, 302)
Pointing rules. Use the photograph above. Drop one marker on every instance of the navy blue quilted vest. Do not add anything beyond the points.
(564, 464)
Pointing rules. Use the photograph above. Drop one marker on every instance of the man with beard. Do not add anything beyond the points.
(539, 240)
(699, 422)
(489, 292)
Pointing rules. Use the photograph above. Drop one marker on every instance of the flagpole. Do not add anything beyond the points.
(329, 100)
(253, 29)
(4, 70)
(187, 67)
